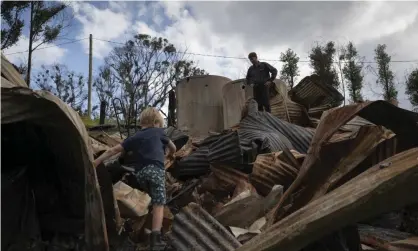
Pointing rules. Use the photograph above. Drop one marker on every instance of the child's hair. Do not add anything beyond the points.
(151, 117)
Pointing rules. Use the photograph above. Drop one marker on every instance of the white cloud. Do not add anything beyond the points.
(232, 29)
(237, 28)
(53, 54)
(106, 24)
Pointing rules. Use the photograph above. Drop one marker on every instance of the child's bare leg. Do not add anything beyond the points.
(157, 217)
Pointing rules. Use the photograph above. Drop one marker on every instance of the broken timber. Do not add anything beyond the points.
(365, 196)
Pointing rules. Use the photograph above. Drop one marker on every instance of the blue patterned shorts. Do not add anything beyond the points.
(152, 178)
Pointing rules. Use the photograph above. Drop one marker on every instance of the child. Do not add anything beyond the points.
(148, 146)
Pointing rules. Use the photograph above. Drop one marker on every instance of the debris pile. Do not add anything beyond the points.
(310, 176)
(343, 181)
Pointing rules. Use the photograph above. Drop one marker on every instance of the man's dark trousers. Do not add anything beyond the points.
(261, 95)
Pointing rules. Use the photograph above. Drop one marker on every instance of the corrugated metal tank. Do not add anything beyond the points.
(199, 104)
(233, 101)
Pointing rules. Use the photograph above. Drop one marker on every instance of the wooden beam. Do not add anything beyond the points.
(383, 188)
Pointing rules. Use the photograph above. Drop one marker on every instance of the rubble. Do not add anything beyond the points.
(269, 184)
(311, 176)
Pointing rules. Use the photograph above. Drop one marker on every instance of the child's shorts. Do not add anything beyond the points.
(153, 178)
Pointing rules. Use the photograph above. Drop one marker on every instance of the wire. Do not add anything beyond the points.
(244, 58)
(207, 55)
(46, 47)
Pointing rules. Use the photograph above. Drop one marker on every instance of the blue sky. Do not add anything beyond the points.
(236, 28)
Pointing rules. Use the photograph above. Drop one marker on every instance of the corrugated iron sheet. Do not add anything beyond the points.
(270, 170)
(194, 165)
(70, 146)
(195, 229)
(273, 133)
(226, 149)
(310, 92)
(228, 176)
(285, 109)
(178, 137)
(355, 124)
(10, 76)
(208, 141)
(317, 168)
(316, 112)
(361, 198)
(289, 111)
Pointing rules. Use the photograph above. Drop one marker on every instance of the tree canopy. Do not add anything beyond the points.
(290, 69)
(321, 60)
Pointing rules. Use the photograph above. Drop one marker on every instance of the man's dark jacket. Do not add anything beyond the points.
(260, 74)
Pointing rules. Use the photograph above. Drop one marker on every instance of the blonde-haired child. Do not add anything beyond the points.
(148, 146)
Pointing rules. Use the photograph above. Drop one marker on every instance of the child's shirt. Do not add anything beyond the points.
(148, 146)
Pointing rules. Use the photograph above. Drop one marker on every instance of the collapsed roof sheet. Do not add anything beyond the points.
(311, 92)
(195, 229)
(69, 142)
(274, 133)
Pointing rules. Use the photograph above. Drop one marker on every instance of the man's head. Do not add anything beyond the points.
(151, 117)
(253, 57)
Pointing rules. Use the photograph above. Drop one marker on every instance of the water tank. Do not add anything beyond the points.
(199, 104)
(233, 101)
(235, 94)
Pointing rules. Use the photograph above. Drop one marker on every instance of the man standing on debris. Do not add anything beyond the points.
(148, 145)
(258, 76)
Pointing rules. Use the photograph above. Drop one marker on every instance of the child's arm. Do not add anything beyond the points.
(171, 148)
(109, 153)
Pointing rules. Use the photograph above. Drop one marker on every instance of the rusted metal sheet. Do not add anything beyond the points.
(228, 176)
(368, 138)
(311, 92)
(363, 197)
(316, 112)
(195, 229)
(270, 170)
(285, 109)
(70, 146)
(354, 124)
(400, 121)
(274, 134)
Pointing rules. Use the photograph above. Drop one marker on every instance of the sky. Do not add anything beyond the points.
(233, 29)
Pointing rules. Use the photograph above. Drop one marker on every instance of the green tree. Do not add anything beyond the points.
(412, 88)
(65, 84)
(384, 74)
(352, 72)
(12, 23)
(45, 24)
(290, 69)
(145, 69)
(321, 60)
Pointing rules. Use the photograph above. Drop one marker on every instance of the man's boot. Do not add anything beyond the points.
(156, 243)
